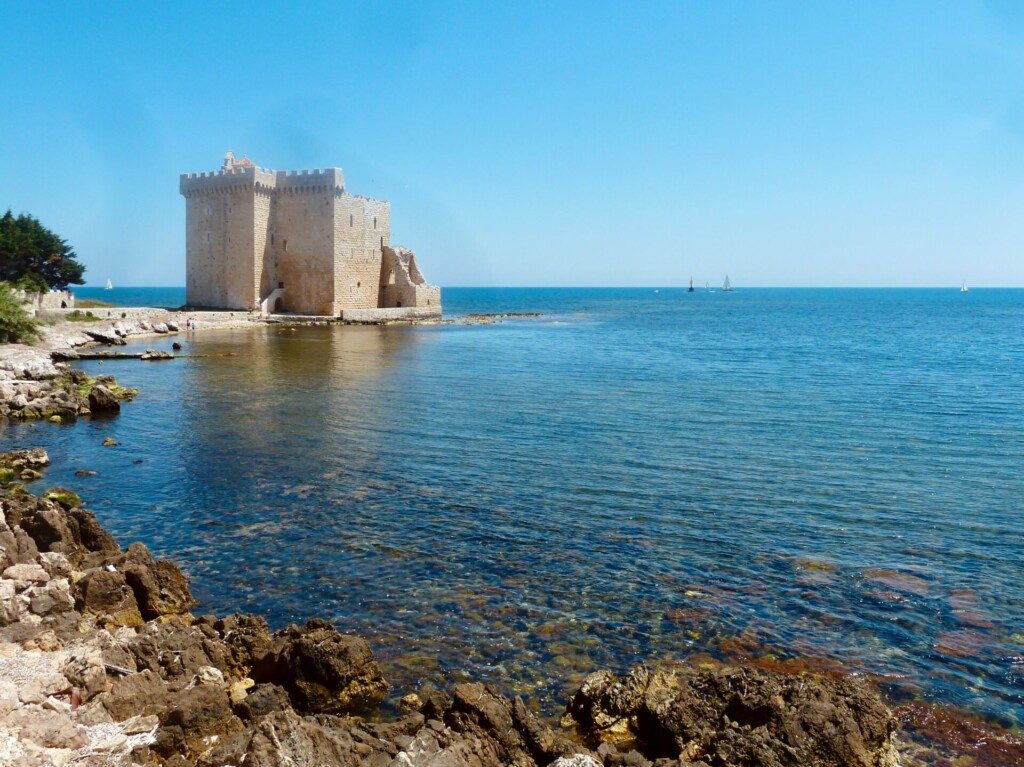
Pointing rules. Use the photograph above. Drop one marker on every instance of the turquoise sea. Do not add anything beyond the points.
(638, 473)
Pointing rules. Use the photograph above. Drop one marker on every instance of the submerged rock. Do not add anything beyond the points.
(105, 640)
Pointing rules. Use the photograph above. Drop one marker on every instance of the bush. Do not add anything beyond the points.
(77, 316)
(15, 323)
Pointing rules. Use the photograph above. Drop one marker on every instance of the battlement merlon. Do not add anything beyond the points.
(250, 176)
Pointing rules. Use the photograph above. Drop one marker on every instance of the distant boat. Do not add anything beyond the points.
(963, 287)
(727, 287)
(110, 285)
(691, 286)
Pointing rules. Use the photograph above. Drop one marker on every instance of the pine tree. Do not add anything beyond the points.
(31, 256)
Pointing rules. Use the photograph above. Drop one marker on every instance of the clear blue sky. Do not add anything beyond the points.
(544, 144)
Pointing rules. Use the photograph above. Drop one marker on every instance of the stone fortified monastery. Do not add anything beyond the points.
(298, 242)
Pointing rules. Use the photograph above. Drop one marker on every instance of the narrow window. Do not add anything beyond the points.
(359, 284)
(284, 245)
(374, 222)
(271, 238)
(350, 219)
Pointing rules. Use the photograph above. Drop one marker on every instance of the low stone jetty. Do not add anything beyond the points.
(104, 662)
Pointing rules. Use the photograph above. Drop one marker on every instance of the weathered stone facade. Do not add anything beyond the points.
(293, 241)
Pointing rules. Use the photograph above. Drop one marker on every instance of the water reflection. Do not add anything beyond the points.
(791, 472)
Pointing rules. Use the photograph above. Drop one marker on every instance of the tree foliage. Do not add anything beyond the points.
(31, 256)
(15, 323)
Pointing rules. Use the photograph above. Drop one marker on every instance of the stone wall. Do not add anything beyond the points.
(402, 284)
(303, 249)
(362, 226)
(220, 247)
(51, 299)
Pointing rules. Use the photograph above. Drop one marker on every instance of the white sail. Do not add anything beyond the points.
(964, 288)
(727, 285)
(110, 285)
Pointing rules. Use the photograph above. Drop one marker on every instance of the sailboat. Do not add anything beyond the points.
(727, 287)
(110, 285)
(963, 287)
(691, 286)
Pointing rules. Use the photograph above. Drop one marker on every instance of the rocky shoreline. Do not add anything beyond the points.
(102, 662)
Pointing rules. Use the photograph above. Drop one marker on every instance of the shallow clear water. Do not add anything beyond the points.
(635, 474)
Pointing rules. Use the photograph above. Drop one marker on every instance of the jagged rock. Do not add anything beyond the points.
(160, 587)
(92, 536)
(107, 595)
(576, 760)
(261, 700)
(479, 711)
(193, 717)
(24, 575)
(85, 669)
(160, 327)
(745, 717)
(322, 670)
(284, 739)
(175, 650)
(102, 400)
(48, 728)
(143, 693)
(52, 597)
(11, 608)
(55, 564)
(110, 442)
(247, 637)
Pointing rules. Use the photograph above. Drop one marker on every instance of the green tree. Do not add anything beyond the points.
(15, 323)
(30, 254)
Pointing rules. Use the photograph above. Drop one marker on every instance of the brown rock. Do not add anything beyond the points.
(174, 649)
(103, 401)
(261, 700)
(322, 670)
(247, 637)
(192, 716)
(284, 739)
(745, 717)
(144, 693)
(160, 587)
(106, 595)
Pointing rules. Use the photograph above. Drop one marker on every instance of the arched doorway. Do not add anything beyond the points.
(278, 307)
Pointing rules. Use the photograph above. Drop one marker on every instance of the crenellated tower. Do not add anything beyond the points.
(293, 241)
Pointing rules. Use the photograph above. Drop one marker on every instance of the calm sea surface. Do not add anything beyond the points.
(636, 474)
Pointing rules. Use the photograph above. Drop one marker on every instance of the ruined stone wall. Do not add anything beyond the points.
(362, 226)
(402, 283)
